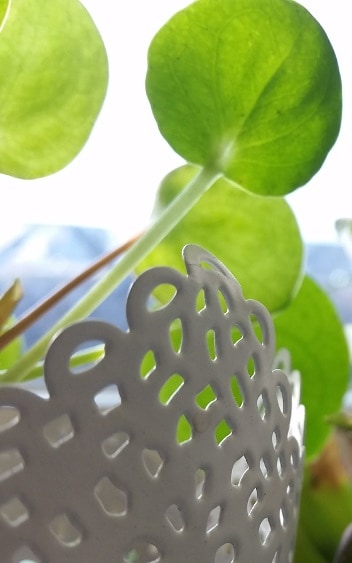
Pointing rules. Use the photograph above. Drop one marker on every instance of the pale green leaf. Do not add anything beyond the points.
(53, 78)
(4, 6)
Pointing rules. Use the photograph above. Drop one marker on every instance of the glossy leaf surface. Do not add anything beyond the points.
(311, 330)
(257, 238)
(53, 78)
(252, 86)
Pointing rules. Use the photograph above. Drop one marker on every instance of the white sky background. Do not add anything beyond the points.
(113, 180)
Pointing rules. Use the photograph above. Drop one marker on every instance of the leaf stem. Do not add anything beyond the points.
(145, 244)
(44, 306)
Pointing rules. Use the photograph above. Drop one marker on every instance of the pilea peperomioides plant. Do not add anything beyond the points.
(248, 92)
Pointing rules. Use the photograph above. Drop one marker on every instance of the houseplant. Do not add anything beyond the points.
(235, 94)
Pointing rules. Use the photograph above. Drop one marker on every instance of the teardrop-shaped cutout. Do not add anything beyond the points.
(112, 499)
(153, 462)
(161, 296)
(113, 445)
(225, 554)
(239, 469)
(171, 388)
(147, 365)
(175, 518)
(87, 356)
(65, 531)
(9, 417)
(142, 552)
(214, 518)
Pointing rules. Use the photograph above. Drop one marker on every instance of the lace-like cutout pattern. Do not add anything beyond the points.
(178, 445)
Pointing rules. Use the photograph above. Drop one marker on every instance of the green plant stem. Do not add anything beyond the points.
(152, 236)
(44, 306)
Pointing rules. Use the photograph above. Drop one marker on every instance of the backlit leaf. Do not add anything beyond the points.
(257, 238)
(250, 86)
(4, 6)
(53, 78)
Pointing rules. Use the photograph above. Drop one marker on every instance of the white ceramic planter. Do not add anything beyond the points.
(194, 459)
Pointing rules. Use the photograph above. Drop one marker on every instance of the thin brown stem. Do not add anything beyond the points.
(40, 309)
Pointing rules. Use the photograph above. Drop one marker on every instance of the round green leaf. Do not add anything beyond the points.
(52, 84)
(312, 331)
(250, 86)
(256, 237)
